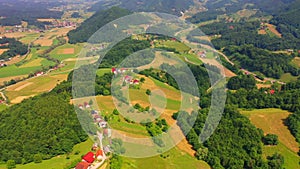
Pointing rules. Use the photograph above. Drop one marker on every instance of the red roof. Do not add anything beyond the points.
(136, 81)
(99, 153)
(82, 165)
(89, 157)
(113, 69)
(272, 91)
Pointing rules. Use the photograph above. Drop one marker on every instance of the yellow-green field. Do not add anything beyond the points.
(66, 51)
(31, 87)
(180, 47)
(296, 61)
(287, 77)
(272, 121)
(175, 159)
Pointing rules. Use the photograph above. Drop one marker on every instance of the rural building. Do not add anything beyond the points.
(83, 165)
(89, 157)
(102, 123)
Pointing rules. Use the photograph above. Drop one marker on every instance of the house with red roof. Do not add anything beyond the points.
(82, 165)
(89, 157)
(99, 155)
(114, 70)
(86, 105)
(272, 91)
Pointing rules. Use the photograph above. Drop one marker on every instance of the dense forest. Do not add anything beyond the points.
(29, 11)
(255, 59)
(95, 22)
(15, 48)
(44, 125)
(165, 6)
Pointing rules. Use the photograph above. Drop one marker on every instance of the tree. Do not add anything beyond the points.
(148, 92)
(37, 158)
(10, 164)
(270, 139)
(201, 153)
(115, 162)
(276, 161)
(116, 112)
(91, 102)
(142, 80)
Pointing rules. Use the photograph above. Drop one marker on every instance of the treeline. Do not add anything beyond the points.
(199, 73)
(124, 49)
(244, 81)
(236, 143)
(15, 48)
(266, 62)
(165, 6)
(40, 127)
(95, 22)
(286, 20)
(286, 98)
(246, 32)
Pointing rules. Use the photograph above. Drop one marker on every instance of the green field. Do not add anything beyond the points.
(180, 47)
(58, 162)
(59, 52)
(2, 107)
(291, 159)
(287, 77)
(101, 72)
(175, 159)
(29, 38)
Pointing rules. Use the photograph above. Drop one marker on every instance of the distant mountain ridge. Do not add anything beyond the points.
(165, 6)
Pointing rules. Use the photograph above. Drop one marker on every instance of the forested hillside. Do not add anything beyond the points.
(166, 6)
(91, 25)
(43, 126)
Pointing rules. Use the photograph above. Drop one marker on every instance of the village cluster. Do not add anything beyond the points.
(95, 158)
(127, 78)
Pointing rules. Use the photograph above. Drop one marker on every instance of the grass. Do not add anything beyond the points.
(271, 121)
(58, 162)
(190, 58)
(296, 61)
(29, 38)
(101, 72)
(291, 160)
(180, 47)
(287, 77)
(58, 54)
(2, 107)
(33, 86)
(175, 159)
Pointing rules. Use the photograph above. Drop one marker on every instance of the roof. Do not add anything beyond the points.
(82, 165)
(99, 153)
(89, 157)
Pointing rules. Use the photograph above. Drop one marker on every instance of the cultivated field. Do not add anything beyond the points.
(2, 51)
(49, 36)
(31, 87)
(159, 90)
(175, 159)
(272, 121)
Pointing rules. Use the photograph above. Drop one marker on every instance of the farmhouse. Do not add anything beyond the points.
(102, 124)
(83, 165)
(89, 157)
